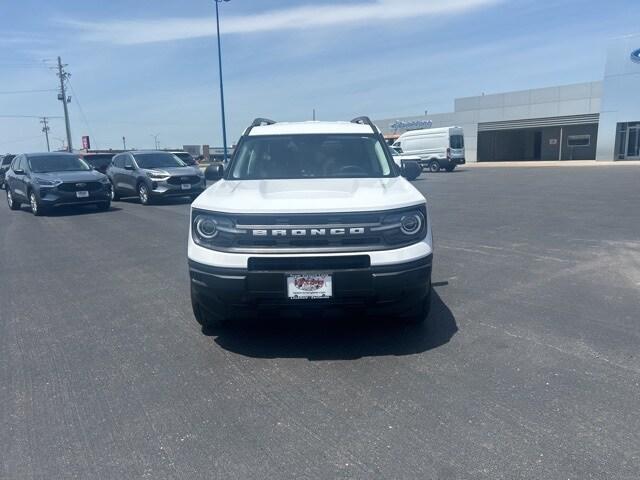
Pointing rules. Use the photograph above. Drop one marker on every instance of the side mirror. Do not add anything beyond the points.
(214, 172)
(19, 171)
(411, 170)
(129, 166)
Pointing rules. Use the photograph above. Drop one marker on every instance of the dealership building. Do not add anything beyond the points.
(586, 121)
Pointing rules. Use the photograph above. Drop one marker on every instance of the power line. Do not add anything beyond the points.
(27, 91)
(19, 140)
(28, 116)
(84, 117)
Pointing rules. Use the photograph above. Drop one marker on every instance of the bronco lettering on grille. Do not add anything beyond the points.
(312, 232)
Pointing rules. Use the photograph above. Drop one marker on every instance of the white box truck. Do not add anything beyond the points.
(438, 148)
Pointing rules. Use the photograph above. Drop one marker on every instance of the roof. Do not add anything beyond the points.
(50, 154)
(430, 131)
(301, 128)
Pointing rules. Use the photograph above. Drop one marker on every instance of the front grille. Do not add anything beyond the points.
(329, 232)
(190, 179)
(80, 186)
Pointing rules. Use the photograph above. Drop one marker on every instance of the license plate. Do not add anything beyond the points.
(82, 194)
(307, 286)
(186, 186)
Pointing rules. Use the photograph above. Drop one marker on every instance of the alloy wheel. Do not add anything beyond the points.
(34, 203)
(9, 198)
(144, 194)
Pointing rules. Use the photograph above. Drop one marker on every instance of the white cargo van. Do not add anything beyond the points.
(437, 147)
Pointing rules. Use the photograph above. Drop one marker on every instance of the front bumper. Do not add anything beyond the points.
(165, 189)
(380, 287)
(52, 197)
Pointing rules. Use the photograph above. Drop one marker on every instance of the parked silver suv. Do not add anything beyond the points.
(151, 174)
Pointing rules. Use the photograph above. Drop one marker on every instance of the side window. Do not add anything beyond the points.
(17, 162)
(117, 161)
(128, 160)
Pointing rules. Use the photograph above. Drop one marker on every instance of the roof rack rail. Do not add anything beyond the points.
(262, 121)
(258, 122)
(366, 121)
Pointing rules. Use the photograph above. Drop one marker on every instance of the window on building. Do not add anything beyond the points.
(579, 140)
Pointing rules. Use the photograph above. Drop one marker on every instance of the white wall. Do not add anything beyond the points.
(576, 99)
(621, 97)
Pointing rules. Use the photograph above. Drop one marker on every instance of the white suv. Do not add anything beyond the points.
(310, 215)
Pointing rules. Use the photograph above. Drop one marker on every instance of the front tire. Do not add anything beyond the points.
(12, 202)
(419, 313)
(114, 195)
(434, 166)
(36, 207)
(104, 206)
(143, 194)
(451, 168)
(208, 317)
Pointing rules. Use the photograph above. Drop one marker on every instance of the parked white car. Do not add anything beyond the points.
(310, 216)
(438, 148)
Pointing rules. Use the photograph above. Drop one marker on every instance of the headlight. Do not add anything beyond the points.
(206, 227)
(402, 227)
(47, 183)
(411, 224)
(157, 175)
(213, 230)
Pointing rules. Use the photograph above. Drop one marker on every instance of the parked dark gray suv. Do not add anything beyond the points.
(151, 174)
(5, 163)
(48, 180)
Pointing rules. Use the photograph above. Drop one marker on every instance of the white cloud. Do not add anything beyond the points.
(128, 32)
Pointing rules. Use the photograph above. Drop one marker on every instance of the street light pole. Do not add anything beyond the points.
(224, 122)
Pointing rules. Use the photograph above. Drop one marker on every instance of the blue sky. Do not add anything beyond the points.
(149, 66)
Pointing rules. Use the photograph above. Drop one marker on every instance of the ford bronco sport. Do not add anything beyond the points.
(310, 215)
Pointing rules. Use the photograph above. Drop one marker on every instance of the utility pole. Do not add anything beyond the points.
(157, 142)
(124, 143)
(45, 128)
(62, 96)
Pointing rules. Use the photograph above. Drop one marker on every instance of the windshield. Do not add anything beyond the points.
(311, 156)
(57, 163)
(98, 160)
(185, 157)
(158, 160)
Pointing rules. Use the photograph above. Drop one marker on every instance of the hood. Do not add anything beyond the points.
(309, 195)
(85, 176)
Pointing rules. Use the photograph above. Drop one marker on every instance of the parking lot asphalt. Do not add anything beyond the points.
(529, 366)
